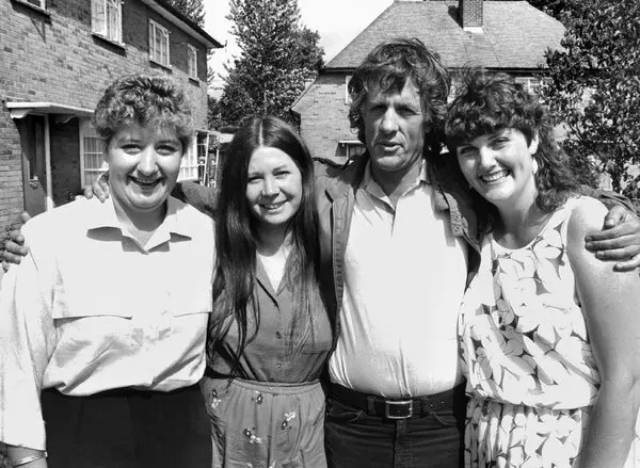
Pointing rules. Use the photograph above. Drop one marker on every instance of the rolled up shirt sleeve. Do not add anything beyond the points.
(27, 336)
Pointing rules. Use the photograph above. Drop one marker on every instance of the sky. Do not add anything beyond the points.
(337, 22)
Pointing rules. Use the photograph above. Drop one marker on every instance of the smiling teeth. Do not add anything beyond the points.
(494, 176)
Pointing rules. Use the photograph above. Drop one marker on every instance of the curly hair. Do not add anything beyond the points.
(488, 102)
(389, 65)
(147, 101)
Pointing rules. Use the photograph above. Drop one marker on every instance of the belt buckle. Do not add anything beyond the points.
(398, 409)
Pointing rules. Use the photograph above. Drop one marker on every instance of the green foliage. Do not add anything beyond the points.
(192, 9)
(277, 56)
(594, 87)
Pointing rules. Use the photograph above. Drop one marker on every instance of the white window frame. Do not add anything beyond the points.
(347, 96)
(91, 158)
(192, 61)
(189, 162)
(161, 56)
(106, 19)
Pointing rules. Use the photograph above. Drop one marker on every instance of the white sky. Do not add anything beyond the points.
(337, 22)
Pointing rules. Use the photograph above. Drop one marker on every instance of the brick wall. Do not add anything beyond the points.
(324, 114)
(56, 58)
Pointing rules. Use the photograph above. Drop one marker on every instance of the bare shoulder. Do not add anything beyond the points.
(587, 215)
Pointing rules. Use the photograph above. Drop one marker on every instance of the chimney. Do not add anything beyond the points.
(470, 12)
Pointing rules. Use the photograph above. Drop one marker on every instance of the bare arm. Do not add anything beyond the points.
(609, 303)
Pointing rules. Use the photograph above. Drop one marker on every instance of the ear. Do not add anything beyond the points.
(533, 146)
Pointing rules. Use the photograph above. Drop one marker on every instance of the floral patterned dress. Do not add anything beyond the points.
(531, 374)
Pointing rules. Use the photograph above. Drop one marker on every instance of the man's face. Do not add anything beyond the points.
(394, 127)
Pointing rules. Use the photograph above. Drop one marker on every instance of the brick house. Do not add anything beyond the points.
(56, 58)
(503, 36)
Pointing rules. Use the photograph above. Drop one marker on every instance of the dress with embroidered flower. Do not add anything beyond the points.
(531, 374)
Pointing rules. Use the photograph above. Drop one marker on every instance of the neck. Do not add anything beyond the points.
(272, 240)
(140, 225)
(520, 224)
(395, 184)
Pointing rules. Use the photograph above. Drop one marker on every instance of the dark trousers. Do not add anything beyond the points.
(127, 429)
(356, 439)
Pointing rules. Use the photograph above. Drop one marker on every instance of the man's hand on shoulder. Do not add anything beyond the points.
(619, 239)
(99, 188)
(14, 245)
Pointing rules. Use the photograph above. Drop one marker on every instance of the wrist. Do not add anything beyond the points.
(24, 457)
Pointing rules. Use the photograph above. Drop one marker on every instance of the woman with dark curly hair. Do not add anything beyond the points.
(103, 324)
(548, 334)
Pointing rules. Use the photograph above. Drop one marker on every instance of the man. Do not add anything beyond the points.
(398, 237)
(398, 240)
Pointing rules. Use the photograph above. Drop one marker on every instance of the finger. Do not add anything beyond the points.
(628, 265)
(5, 266)
(16, 249)
(87, 192)
(8, 257)
(15, 237)
(611, 233)
(620, 254)
(616, 215)
(613, 243)
(24, 217)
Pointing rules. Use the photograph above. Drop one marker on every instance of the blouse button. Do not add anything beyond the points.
(278, 335)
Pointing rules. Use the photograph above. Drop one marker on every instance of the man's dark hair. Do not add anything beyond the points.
(389, 66)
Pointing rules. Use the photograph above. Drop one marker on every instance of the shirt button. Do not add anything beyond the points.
(278, 335)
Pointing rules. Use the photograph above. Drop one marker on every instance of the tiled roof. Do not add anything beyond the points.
(515, 34)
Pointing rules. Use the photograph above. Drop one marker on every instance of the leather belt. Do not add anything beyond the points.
(375, 405)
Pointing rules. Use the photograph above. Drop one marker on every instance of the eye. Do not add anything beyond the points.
(499, 142)
(407, 112)
(466, 151)
(282, 173)
(130, 148)
(167, 149)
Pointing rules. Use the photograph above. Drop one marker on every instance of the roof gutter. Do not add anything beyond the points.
(195, 32)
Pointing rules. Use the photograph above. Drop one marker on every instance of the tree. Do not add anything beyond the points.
(192, 9)
(277, 55)
(594, 87)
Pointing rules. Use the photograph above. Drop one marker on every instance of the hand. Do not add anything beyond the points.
(14, 245)
(619, 239)
(100, 188)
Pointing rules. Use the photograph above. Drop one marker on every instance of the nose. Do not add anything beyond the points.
(269, 187)
(148, 163)
(486, 156)
(389, 123)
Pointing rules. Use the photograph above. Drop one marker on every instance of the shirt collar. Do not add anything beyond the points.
(373, 188)
(103, 216)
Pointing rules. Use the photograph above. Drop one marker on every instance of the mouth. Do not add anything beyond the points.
(146, 183)
(494, 177)
(388, 145)
(271, 207)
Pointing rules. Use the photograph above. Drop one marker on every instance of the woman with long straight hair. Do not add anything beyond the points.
(269, 335)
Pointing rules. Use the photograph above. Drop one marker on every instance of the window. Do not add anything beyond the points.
(92, 162)
(189, 163)
(106, 19)
(347, 96)
(158, 43)
(350, 148)
(192, 61)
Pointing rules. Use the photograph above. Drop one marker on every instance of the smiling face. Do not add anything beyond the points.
(143, 167)
(394, 127)
(500, 167)
(274, 188)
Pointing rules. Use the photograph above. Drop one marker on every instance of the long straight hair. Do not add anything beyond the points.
(235, 277)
